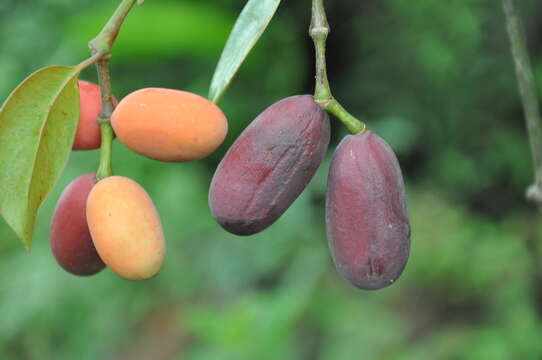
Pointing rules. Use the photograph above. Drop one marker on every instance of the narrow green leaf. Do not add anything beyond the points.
(245, 34)
(37, 126)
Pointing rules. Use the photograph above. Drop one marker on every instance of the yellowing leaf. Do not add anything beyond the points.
(37, 126)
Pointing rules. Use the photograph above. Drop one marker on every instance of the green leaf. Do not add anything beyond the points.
(37, 126)
(245, 34)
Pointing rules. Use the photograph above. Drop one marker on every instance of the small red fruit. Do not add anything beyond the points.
(71, 242)
(88, 135)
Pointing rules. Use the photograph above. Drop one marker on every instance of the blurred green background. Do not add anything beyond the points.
(432, 77)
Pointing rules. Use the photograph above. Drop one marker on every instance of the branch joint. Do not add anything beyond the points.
(319, 33)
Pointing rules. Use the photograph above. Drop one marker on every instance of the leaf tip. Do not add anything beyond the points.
(26, 240)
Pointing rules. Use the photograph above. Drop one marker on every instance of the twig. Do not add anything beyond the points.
(527, 90)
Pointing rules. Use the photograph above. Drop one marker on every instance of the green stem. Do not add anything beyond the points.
(103, 43)
(353, 125)
(319, 30)
(105, 169)
(100, 48)
(527, 90)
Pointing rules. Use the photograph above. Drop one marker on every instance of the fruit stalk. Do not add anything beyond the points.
(100, 47)
(528, 95)
(104, 119)
(105, 169)
(319, 30)
(107, 94)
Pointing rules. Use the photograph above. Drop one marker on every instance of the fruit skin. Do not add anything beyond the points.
(88, 135)
(126, 228)
(367, 222)
(71, 242)
(269, 165)
(169, 125)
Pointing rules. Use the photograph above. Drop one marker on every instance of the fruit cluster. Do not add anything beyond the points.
(274, 159)
(113, 221)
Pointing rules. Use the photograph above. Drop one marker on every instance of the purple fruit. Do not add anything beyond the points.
(269, 165)
(368, 228)
(70, 237)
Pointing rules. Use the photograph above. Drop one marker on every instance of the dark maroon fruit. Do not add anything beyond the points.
(269, 165)
(70, 237)
(367, 222)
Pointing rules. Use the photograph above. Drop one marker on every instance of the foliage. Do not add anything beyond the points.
(247, 30)
(37, 126)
